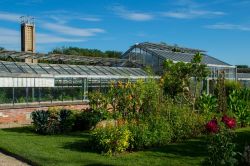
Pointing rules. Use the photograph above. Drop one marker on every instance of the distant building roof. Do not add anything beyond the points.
(243, 76)
(62, 58)
(176, 53)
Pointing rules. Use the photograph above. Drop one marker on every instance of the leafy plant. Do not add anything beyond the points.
(246, 156)
(53, 121)
(110, 140)
(66, 120)
(239, 106)
(153, 131)
(232, 86)
(222, 99)
(40, 121)
(88, 118)
(207, 103)
(221, 149)
(185, 123)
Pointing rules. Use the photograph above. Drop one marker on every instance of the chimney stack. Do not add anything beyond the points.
(27, 34)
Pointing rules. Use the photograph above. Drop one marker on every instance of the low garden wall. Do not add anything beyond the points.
(18, 116)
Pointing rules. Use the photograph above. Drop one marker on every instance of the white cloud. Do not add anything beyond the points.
(67, 30)
(8, 36)
(13, 17)
(187, 3)
(132, 15)
(94, 19)
(47, 38)
(190, 14)
(226, 26)
(63, 16)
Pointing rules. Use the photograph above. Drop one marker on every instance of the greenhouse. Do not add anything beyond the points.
(15, 56)
(153, 55)
(244, 79)
(29, 83)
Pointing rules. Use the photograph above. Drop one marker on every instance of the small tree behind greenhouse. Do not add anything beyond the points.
(184, 79)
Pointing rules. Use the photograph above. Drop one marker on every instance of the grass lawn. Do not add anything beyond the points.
(72, 150)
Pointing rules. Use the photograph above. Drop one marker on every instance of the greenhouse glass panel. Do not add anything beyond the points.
(12, 67)
(60, 69)
(26, 68)
(3, 69)
(69, 69)
(48, 68)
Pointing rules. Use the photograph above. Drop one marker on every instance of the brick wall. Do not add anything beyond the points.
(22, 115)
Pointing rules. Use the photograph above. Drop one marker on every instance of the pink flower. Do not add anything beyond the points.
(212, 126)
(229, 122)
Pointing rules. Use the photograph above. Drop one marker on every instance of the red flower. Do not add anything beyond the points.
(229, 122)
(212, 126)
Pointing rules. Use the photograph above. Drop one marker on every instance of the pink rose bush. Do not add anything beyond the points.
(229, 122)
(213, 127)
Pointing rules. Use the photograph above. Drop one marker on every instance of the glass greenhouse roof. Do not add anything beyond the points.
(61, 58)
(17, 68)
(165, 51)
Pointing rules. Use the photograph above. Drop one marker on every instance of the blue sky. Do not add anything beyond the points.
(221, 27)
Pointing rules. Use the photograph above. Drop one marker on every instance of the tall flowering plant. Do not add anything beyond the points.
(220, 145)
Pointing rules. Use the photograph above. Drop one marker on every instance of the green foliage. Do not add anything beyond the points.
(207, 103)
(152, 131)
(110, 140)
(177, 78)
(52, 121)
(98, 100)
(185, 122)
(40, 121)
(86, 52)
(140, 135)
(231, 86)
(222, 98)
(238, 104)
(66, 120)
(221, 149)
(87, 119)
(131, 100)
(246, 156)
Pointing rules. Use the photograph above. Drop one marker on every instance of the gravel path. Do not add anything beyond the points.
(10, 161)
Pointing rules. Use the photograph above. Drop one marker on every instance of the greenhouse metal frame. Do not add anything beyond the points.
(27, 83)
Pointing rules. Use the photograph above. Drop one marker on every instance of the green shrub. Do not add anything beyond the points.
(88, 118)
(160, 130)
(140, 135)
(221, 149)
(152, 131)
(53, 122)
(110, 140)
(40, 121)
(185, 123)
(66, 120)
(231, 86)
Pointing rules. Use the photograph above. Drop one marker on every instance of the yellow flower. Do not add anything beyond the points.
(120, 85)
(130, 97)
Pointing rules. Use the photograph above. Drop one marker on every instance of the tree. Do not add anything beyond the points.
(177, 77)
(86, 52)
(1, 48)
